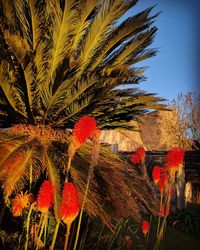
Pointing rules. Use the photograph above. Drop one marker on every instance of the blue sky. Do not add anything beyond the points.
(174, 68)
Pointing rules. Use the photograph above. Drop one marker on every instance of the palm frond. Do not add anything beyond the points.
(14, 168)
(10, 89)
(87, 10)
(127, 29)
(101, 27)
(129, 105)
(62, 31)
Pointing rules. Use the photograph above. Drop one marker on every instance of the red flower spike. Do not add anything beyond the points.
(174, 159)
(141, 152)
(69, 205)
(145, 227)
(163, 181)
(135, 159)
(45, 195)
(84, 128)
(156, 174)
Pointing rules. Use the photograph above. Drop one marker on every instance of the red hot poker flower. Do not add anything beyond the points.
(145, 227)
(141, 152)
(163, 181)
(69, 204)
(45, 195)
(84, 128)
(135, 159)
(156, 174)
(138, 156)
(174, 159)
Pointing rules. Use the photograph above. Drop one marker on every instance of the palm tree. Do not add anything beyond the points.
(60, 60)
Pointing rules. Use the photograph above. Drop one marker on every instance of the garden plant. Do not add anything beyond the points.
(62, 64)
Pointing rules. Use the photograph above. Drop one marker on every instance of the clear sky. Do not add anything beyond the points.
(175, 68)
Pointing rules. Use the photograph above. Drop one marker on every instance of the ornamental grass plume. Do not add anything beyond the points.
(174, 160)
(45, 196)
(20, 202)
(156, 174)
(145, 227)
(69, 207)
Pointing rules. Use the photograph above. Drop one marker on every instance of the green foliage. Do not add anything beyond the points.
(60, 61)
(187, 220)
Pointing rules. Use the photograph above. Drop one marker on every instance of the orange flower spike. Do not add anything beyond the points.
(141, 152)
(20, 202)
(69, 205)
(135, 158)
(156, 174)
(45, 195)
(174, 160)
(145, 227)
(138, 156)
(84, 128)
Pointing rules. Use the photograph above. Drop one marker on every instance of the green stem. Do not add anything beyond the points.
(85, 235)
(27, 226)
(99, 238)
(82, 208)
(45, 230)
(67, 236)
(72, 235)
(162, 229)
(158, 227)
(39, 225)
(115, 236)
(55, 235)
(41, 231)
(69, 165)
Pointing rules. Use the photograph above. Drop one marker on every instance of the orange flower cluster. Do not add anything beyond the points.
(45, 196)
(69, 204)
(20, 202)
(138, 156)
